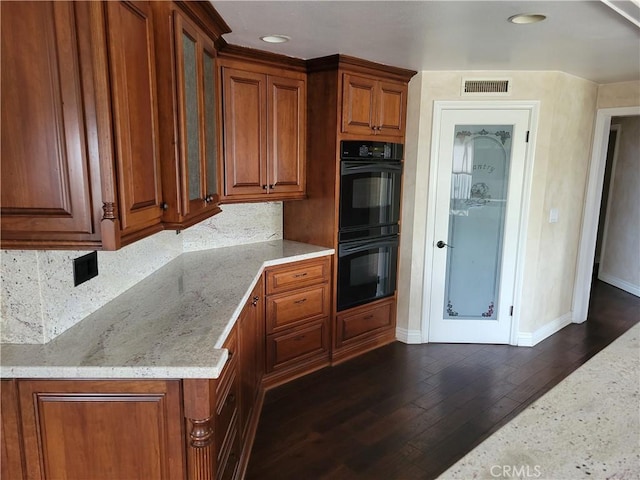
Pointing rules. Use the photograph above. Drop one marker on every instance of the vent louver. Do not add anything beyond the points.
(485, 87)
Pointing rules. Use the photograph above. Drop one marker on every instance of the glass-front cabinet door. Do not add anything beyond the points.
(197, 114)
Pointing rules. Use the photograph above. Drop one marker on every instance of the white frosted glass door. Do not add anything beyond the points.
(479, 188)
(479, 181)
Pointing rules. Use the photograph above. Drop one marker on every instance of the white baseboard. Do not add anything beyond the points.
(526, 339)
(621, 284)
(408, 336)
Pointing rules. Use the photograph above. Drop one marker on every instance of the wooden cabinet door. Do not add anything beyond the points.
(132, 68)
(102, 429)
(286, 108)
(358, 105)
(391, 108)
(251, 353)
(245, 135)
(196, 121)
(46, 191)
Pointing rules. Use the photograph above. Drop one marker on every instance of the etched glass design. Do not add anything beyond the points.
(479, 184)
(210, 144)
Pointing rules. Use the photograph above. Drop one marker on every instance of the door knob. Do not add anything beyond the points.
(441, 244)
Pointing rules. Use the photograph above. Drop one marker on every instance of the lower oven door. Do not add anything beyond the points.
(366, 270)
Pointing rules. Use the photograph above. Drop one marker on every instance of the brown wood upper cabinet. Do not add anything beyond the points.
(373, 107)
(109, 121)
(80, 159)
(189, 114)
(264, 112)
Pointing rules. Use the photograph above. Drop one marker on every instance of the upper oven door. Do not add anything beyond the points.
(369, 193)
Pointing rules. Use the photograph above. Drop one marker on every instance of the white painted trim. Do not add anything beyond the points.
(411, 337)
(621, 284)
(526, 339)
(438, 107)
(591, 211)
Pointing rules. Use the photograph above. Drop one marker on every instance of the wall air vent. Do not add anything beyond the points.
(492, 87)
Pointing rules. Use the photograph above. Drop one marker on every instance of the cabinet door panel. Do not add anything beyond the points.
(287, 120)
(391, 108)
(45, 171)
(244, 132)
(77, 429)
(197, 117)
(358, 105)
(251, 353)
(132, 60)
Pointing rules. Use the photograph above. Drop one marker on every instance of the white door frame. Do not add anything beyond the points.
(533, 106)
(591, 212)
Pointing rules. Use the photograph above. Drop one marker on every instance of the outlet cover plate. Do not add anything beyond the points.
(85, 268)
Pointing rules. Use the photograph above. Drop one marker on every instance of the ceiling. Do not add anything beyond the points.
(589, 39)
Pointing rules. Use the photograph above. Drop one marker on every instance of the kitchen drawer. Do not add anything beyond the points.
(298, 275)
(364, 320)
(288, 309)
(298, 344)
(226, 406)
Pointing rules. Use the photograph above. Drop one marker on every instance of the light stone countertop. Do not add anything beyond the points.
(586, 427)
(172, 324)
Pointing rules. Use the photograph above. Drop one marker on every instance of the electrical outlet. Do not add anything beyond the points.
(85, 268)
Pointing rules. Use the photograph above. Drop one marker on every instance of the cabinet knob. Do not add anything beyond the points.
(254, 301)
(164, 206)
(208, 199)
(264, 187)
(271, 187)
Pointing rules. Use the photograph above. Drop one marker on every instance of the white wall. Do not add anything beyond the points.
(39, 300)
(620, 257)
(567, 108)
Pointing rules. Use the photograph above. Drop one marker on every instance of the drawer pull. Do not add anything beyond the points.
(300, 301)
(298, 275)
(368, 317)
(299, 337)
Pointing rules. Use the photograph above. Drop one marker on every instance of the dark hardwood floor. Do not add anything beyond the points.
(411, 411)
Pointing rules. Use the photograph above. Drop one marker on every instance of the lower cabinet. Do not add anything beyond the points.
(101, 429)
(297, 319)
(364, 328)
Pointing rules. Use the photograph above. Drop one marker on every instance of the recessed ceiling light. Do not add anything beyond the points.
(275, 38)
(524, 18)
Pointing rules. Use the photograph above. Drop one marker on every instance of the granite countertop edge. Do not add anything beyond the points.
(170, 360)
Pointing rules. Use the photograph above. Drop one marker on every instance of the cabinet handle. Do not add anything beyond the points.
(298, 275)
(164, 206)
(299, 337)
(368, 317)
(272, 186)
(208, 198)
(300, 301)
(264, 187)
(254, 301)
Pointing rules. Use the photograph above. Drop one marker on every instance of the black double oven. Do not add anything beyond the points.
(368, 234)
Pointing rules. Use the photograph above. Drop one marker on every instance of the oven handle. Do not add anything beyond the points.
(355, 247)
(348, 167)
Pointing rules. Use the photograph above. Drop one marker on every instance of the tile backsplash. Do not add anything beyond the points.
(39, 300)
